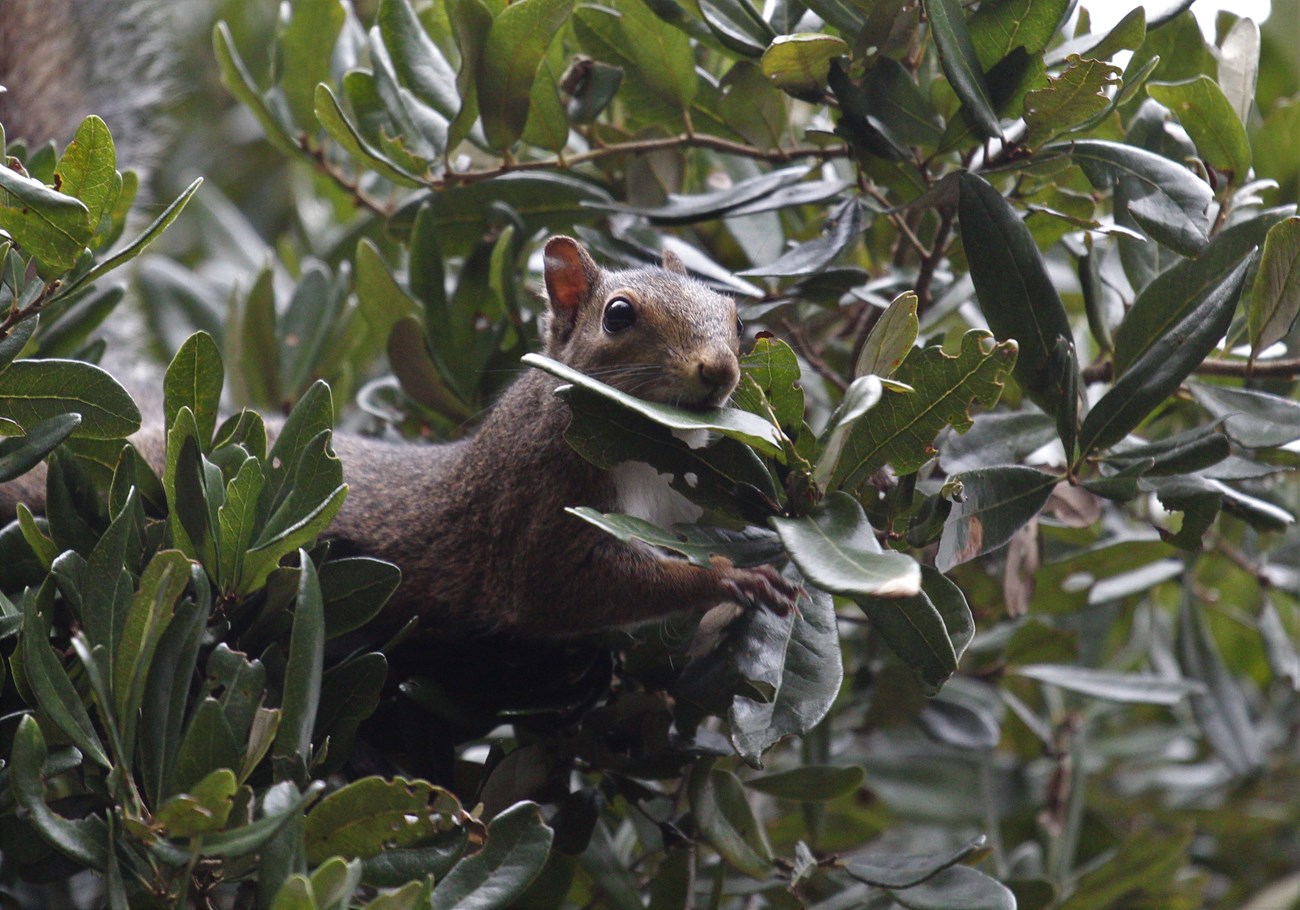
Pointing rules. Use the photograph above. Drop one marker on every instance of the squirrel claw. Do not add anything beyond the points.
(761, 586)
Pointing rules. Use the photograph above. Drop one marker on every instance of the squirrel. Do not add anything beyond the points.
(477, 527)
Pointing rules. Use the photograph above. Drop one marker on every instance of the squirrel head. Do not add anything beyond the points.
(654, 333)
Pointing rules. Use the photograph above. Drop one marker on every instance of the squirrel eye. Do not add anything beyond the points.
(619, 315)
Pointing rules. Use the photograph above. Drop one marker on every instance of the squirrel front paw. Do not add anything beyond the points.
(757, 586)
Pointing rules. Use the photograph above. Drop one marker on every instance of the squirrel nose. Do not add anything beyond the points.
(719, 373)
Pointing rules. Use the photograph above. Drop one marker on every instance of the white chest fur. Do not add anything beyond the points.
(646, 494)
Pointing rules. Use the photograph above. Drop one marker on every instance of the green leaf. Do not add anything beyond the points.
(660, 54)
(1129, 870)
(1210, 120)
(957, 888)
(342, 130)
(730, 422)
(554, 202)
(84, 840)
(997, 29)
(1239, 54)
(1165, 199)
(419, 64)
(19, 454)
(996, 503)
(738, 25)
(1275, 295)
(772, 675)
(629, 528)
(517, 844)
(902, 427)
(687, 209)
(281, 805)
(799, 63)
(371, 815)
(901, 870)
(236, 79)
(349, 695)
(381, 302)
(194, 380)
(727, 821)
(1127, 688)
(162, 713)
(774, 370)
(843, 228)
(891, 339)
(33, 391)
(49, 681)
(997, 439)
(12, 344)
(53, 227)
(355, 591)
(88, 167)
(161, 586)
(810, 783)
(256, 351)
(1183, 287)
(1251, 418)
(1015, 293)
(304, 45)
(236, 521)
(836, 549)
(961, 63)
(1076, 97)
(205, 807)
(1160, 369)
(209, 744)
(516, 45)
(147, 236)
(302, 674)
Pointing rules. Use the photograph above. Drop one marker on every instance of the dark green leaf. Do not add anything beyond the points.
(355, 591)
(836, 549)
(147, 236)
(85, 840)
(312, 28)
(811, 783)
(49, 681)
(209, 744)
(997, 29)
(194, 380)
(996, 439)
(899, 870)
(961, 63)
(517, 844)
(729, 422)
(419, 64)
(33, 391)
(162, 712)
(996, 503)
(957, 888)
(843, 228)
(20, 454)
(1162, 366)
(1221, 710)
(302, 675)
(1174, 293)
(686, 209)
(727, 821)
(1251, 418)
(1015, 294)
(1208, 116)
(371, 815)
(1129, 688)
(515, 46)
(1166, 200)
(1275, 295)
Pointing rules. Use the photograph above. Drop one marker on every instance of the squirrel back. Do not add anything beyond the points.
(61, 60)
(479, 527)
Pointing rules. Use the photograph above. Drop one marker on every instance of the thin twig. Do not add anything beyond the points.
(804, 348)
(18, 314)
(1104, 371)
(938, 249)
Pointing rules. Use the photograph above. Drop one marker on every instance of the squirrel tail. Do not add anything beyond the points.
(61, 60)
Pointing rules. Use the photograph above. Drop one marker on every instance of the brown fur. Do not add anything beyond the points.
(478, 527)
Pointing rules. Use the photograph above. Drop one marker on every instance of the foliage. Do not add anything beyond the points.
(1020, 418)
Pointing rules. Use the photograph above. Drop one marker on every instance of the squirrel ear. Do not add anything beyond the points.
(673, 263)
(570, 275)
